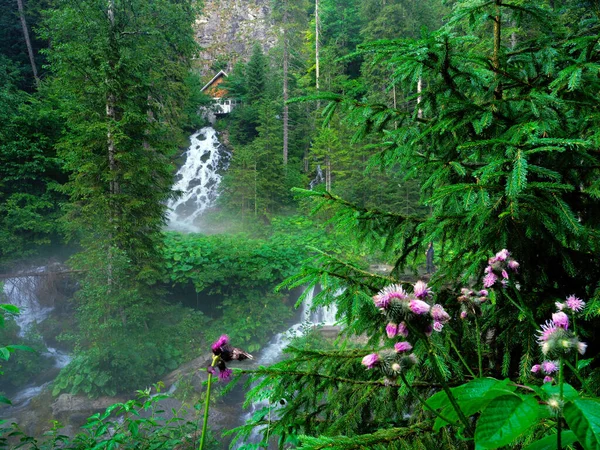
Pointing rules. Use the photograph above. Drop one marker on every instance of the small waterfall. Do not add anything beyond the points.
(273, 351)
(318, 179)
(198, 180)
(24, 293)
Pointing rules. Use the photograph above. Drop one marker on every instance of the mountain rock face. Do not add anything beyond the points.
(228, 29)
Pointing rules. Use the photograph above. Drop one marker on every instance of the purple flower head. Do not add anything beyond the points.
(419, 307)
(437, 326)
(488, 269)
(547, 330)
(371, 360)
(219, 343)
(421, 290)
(391, 329)
(549, 367)
(575, 304)
(581, 347)
(536, 368)
(489, 280)
(384, 297)
(548, 379)
(439, 314)
(513, 265)
(225, 374)
(463, 315)
(559, 306)
(483, 293)
(403, 329)
(502, 255)
(505, 274)
(561, 320)
(402, 347)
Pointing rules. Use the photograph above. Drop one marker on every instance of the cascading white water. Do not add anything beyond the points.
(22, 292)
(272, 352)
(198, 180)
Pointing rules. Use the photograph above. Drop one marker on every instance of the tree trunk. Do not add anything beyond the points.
(317, 43)
(28, 41)
(286, 57)
(497, 42)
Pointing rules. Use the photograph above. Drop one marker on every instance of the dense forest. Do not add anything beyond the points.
(427, 171)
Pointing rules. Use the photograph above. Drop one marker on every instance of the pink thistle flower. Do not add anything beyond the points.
(561, 320)
(391, 330)
(483, 293)
(402, 347)
(488, 269)
(581, 347)
(549, 367)
(536, 368)
(439, 314)
(502, 255)
(489, 280)
(225, 374)
(221, 342)
(547, 330)
(575, 304)
(370, 360)
(548, 379)
(384, 297)
(421, 290)
(403, 329)
(437, 326)
(505, 274)
(463, 315)
(419, 307)
(513, 265)
(559, 306)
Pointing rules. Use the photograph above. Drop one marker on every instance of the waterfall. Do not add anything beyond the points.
(25, 292)
(272, 352)
(198, 180)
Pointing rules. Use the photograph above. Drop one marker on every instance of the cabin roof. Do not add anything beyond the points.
(214, 79)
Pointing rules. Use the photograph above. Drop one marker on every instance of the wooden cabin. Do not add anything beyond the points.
(222, 103)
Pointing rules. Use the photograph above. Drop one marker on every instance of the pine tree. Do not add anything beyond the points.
(503, 144)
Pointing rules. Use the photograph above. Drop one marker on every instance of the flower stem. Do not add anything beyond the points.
(453, 345)
(561, 398)
(446, 388)
(418, 396)
(478, 336)
(579, 377)
(526, 312)
(207, 403)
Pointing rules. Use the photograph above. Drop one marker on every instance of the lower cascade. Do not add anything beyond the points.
(26, 292)
(198, 180)
(310, 317)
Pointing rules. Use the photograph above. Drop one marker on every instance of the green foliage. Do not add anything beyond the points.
(138, 423)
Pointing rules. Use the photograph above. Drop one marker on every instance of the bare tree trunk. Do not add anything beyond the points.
(497, 42)
(286, 57)
(317, 43)
(419, 90)
(28, 41)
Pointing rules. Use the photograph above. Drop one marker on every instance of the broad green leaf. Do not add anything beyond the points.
(471, 390)
(24, 348)
(549, 442)
(504, 419)
(10, 308)
(583, 418)
(4, 353)
(583, 363)
(4, 400)
(569, 392)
